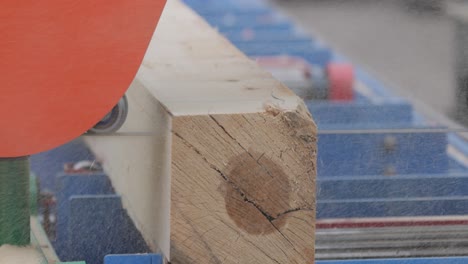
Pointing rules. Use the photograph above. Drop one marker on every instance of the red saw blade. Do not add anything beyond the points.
(64, 64)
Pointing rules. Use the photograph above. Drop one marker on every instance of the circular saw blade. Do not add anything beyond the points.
(64, 64)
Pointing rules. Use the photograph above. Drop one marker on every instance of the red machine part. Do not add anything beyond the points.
(65, 64)
(339, 77)
(340, 81)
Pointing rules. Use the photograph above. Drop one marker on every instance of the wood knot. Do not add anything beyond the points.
(257, 191)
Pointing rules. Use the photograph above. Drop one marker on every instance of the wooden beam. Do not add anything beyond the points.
(216, 162)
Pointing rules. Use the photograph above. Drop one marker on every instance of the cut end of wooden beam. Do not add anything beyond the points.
(243, 187)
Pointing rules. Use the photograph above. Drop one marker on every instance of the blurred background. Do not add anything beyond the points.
(408, 44)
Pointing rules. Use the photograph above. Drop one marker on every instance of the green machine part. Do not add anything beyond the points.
(19, 193)
(33, 194)
(14, 201)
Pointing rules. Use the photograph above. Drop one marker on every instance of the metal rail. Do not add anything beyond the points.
(392, 242)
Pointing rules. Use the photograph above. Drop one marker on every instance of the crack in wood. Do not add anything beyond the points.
(268, 216)
(242, 194)
(227, 133)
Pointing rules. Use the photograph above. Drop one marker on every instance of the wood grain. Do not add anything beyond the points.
(243, 188)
